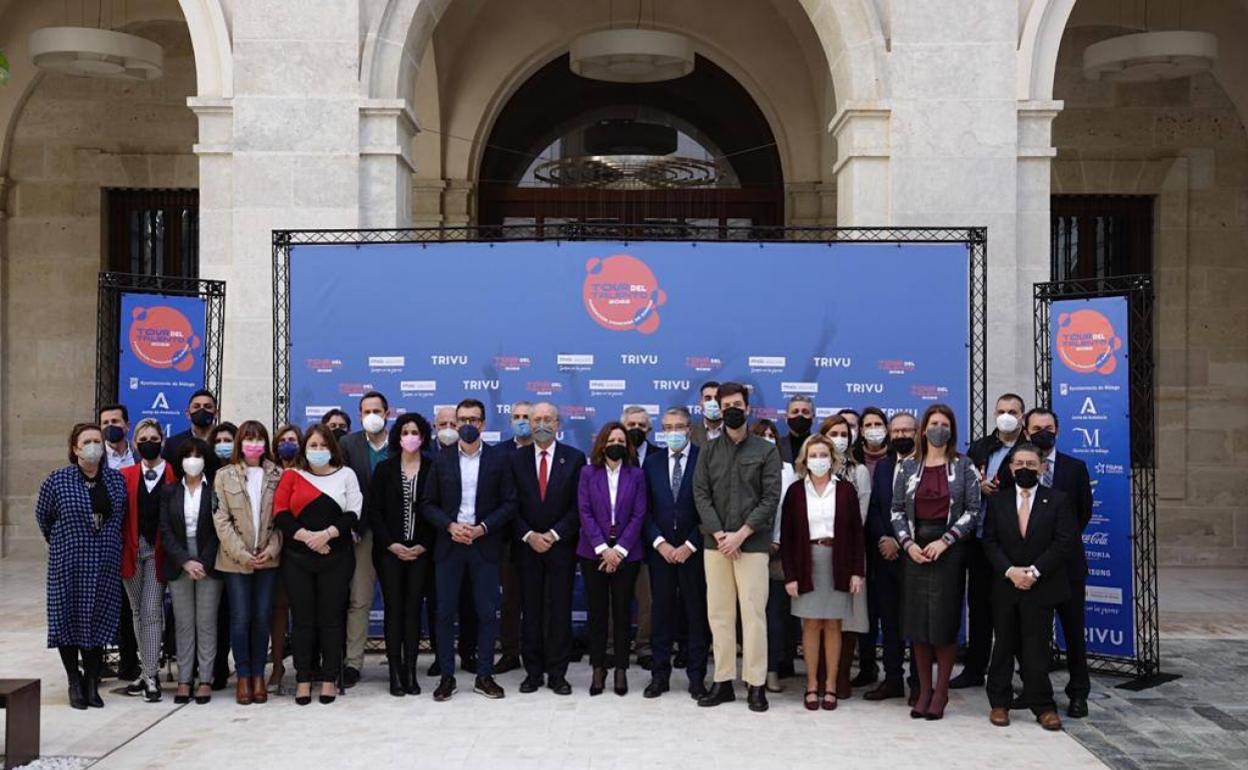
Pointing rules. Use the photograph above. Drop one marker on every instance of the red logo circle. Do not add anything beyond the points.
(1086, 342)
(161, 338)
(622, 294)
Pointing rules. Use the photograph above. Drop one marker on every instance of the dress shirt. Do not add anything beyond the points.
(821, 510)
(671, 470)
(255, 495)
(1018, 503)
(190, 506)
(119, 460)
(537, 473)
(713, 433)
(469, 470)
(151, 483)
(613, 486)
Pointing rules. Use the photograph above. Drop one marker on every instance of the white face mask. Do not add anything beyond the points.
(192, 466)
(448, 436)
(840, 444)
(819, 466)
(875, 436)
(373, 423)
(1007, 423)
(91, 452)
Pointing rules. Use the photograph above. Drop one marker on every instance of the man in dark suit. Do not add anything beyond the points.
(361, 452)
(677, 575)
(546, 474)
(800, 418)
(1029, 531)
(469, 498)
(884, 593)
(509, 623)
(1068, 474)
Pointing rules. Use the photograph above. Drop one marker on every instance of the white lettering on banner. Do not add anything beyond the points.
(491, 436)
(1103, 594)
(651, 409)
(803, 388)
(1091, 437)
(418, 386)
(864, 387)
(317, 412)
(1088, 407)
(160, 402)
(575, 359)
(767, 362)
(1102, 636)
(639, 358)
(825, 411)
(481, 384)
(671, 384)
(832, 362)
(1096, 538)
(611, 385)
(386, 362)
(455, 360)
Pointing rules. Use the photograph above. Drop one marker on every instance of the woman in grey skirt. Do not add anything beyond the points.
(824, 558)
(190, 542)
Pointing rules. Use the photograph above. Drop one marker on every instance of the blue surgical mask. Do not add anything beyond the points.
(543, 433)
(676, 440)
(318, 458)
(225, 450)
(521, 429)
(710, 409)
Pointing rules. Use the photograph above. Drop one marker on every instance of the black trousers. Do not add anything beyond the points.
(546, 601)
(318, 588)
(1071, 613)
(1022, 630)
(610, 595)
(402, 587)
(509, 632)
(979, 580)
(467, 645)
(127, 645)
(678, 592)
(887, 593)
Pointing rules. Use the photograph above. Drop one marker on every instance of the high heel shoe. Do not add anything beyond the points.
(183, 694)
(328, 699)
(77, 698)
(936, 709)
(599, 682)
(919, 711)
(303, 700)
(203, 694)
(621, 681)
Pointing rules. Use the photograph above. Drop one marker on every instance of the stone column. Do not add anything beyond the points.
(1034, 230)
(387, 128)
(863, 190)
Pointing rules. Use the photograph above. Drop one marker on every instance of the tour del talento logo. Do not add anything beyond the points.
(1086, 342)
(161, 337)
(622, 294)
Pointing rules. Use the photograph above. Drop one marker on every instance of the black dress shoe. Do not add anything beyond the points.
(559, 685)
(1078, 708)
(599, 682)
(720, 692)
(621, 681)
(531, 683)
(966, 680)
(485, 685)
(434, 669)
(656, 688)
(645, 662)
(697, 690)
(468, 663)
(350, 677)
(864, 678)
(889, 688)
(77, 698)
(757, 698)
(446, 688)
(507, 663)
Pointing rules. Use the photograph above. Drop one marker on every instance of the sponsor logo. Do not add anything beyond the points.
(607, 387)
(803, 388)
(577, 412)
(491, 436)
(1087, 342)
(134, 383)
(704, 363)
(449, 360)
(929, 392)
(575, 362)
(640, 359)
(832, 362)
(386, 364)
(864, 387)
(622, 294)
(162, 338)
(1110, 469)
(356, 389)
(543, 387)
(424, 388)
(315, 412)
(512, 363)
(1104, 594)
(1096, 538)
(825, 411)
(323, 364)
(1104, 636)
(482, 384)
(895, 366)
(671, 384)
(651, 409)
(774, 414)
(766, 364)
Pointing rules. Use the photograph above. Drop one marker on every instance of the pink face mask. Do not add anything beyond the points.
(253, 449)
(410, 442)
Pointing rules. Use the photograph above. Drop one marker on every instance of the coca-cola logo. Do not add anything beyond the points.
(1096, 538)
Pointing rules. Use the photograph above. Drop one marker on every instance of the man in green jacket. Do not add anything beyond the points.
(736, 488)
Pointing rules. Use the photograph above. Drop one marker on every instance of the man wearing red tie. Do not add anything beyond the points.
(1029, 531)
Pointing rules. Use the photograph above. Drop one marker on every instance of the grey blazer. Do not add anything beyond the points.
(354, 448)
(964, 508)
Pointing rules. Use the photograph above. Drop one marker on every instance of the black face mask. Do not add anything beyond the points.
(202, 418)
(615, 452)
(734, 417)
(114, 433)
(149, 450)
(469, 433)
(903, 446)
(800, 425)
(1026, 478)
(636, 436)
(1044, 440)
(339, 433)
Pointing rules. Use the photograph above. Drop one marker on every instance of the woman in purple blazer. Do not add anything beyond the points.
(612, 501)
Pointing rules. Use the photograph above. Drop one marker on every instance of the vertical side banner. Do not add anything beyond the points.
(1091, 398)
(160, 356)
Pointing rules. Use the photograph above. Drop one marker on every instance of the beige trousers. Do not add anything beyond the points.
(363, 586)
(727, 583)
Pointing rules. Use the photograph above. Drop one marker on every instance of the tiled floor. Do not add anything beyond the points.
(368, 728)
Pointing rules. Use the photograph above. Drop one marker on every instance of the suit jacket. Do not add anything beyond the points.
(1051, 530)
(1070, 475)
(785, 445)
(697, 433)
(650, 449)
(495, 504)
(383, 505)
(212, 463)
(964, 505)
(675, 521)
(879, 510)
(173, 530)
(354, 448)
(558, 512)
(594, 502)
(133, 475)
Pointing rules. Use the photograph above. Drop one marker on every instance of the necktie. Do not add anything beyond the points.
(1047, 478)
(543, 472)
(1024, 511)
(677, 473)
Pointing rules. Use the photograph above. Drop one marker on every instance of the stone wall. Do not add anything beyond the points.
(74, 137)
(1182, 141)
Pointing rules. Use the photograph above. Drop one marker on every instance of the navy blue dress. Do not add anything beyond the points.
(84, 561)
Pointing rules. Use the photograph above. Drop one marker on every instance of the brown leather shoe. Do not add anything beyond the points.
(999, 717)
(242, 691)
(1049, 720)
(259, 693)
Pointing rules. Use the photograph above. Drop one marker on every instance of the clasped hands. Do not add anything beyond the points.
(407, 553)
(464, 534)
(1022, 577)
(541, 542)
(316, 541)
(675, 554)
(928, 553)
(729, 543)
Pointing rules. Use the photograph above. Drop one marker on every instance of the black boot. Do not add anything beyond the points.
(599, 682)
(411, 678)
(398, 687)
(91, 663)
(77, 699)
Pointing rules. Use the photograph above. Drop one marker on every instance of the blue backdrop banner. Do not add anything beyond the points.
(161, 356)
(1090, 396)
(594, 326)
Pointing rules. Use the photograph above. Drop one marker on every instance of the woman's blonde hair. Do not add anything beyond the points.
(815, 439)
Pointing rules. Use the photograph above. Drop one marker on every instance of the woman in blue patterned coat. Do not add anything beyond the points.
(80, 512)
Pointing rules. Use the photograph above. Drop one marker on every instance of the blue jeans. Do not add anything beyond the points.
(251, 604)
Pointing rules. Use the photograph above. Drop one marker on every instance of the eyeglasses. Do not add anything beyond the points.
(471, 421)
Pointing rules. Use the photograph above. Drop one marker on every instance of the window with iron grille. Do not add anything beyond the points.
(1101, 236)
(152, 232)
